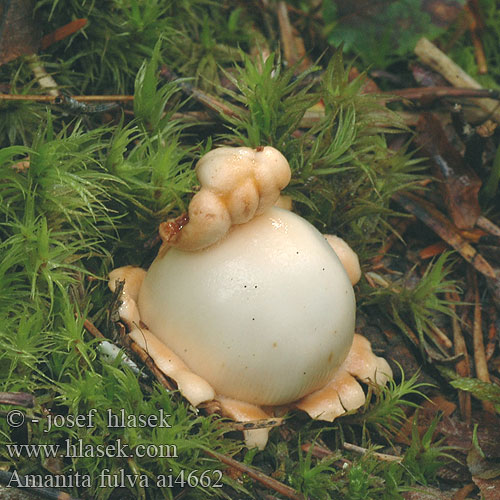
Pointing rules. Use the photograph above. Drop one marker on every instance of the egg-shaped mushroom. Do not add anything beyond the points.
(248, 303)
(266, 315)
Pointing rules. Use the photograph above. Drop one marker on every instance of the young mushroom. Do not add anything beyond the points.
(248, 303)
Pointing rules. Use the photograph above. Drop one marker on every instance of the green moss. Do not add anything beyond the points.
(79, 197)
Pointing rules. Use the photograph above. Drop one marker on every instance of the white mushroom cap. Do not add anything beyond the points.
(266, 315)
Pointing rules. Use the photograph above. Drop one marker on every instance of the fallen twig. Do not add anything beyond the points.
(50, 493)
(43, 78)
(293, 46)
(363, 451)
(262, 478)
(476, 25)
(463, 366)
(63, 32)
(54, 98)
(317, 450)
(429, 54)
(17, 399)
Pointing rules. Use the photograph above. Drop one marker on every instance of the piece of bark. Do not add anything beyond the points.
(460, 184)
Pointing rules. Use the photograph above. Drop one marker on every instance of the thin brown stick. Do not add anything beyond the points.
(441, 337)
(479, 53)
(44, 79)
(148, 361)
(463, 493)
(492, 333)
(399, 228)
(53, 98)
(363, 451)
(476, 25)
(429, 54)
(468, 300)
(265, 423)
(293, 46)
(463, 366)
(262, 478)
(317, 450)
(479, 353)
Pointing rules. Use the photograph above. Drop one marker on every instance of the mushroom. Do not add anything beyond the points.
(248, 303)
